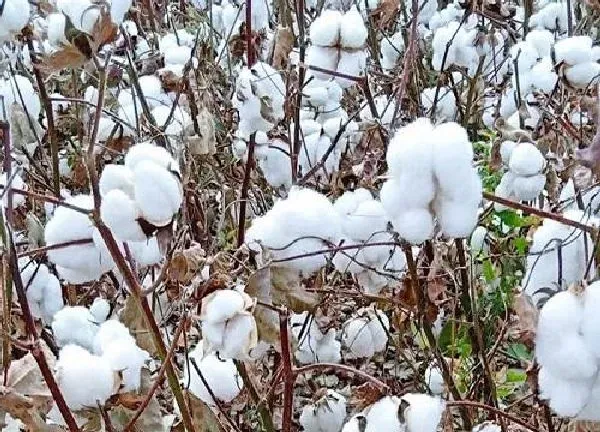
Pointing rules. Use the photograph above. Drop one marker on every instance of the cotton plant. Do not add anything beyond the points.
(228, 326)
(445, 107)
(525, 179)
(20, 105)
(220, 374)
(579, 60)
(297, 232)
(557, 246)
(392, 47)
(550, 15)
(365, 334)
(337, 45)
(312, 345)
(146, 188)
(413, 412)
(430, 168)
(567, 348)
(326, 414)
(364, 220)
(43, 289)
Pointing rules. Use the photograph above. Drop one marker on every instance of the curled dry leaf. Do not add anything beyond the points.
(527, 315)
(132, 317)
(385, 13)
(365, 395)
(283, 47)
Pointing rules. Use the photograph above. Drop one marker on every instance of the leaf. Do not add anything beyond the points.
(527, 315)
(284, 42)
(365, 395)
(104, 30)
(204, 142)
(133, 319)
(267, 320)
(186, 264)
(25, 378)
(287, 289)
(24, 408)
(68, 57)
(385, 13)
(203, 417)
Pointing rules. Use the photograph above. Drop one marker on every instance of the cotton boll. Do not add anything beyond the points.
(423, 412)
(566, 397)
(275, 164)
(146, 253)
(222, 305)
(414, 225)
(506, 149)
(74, 324)
(221, 376)
(528, 188)
(410, 150)
(120, 214)
(351, 63)
(368, 218)
(14, 17)
(583, 75)
(353, 32)
(326, 415)
(126, 357)
(434, 380)
(151, 88)
(148, 152)
(100, 309)
(383, 416)
(118, 9)
(590, 326)
(84, 379)
(325, 29)
(108, 332)
(56, 29)
(542, 40)
(456, 219)
(391, 48)
(116, 177)
(158, 193)
(366, 334)
(446, 102)
(526, 160)
(52, 301)
(573, 50)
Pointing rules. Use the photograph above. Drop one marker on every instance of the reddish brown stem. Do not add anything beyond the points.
(288, 374)
(495, 411)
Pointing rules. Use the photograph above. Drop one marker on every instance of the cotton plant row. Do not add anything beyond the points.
(431, 173)
(525, 179)
(567, 349)
(337, 44)
(557, 246)
(95, 351)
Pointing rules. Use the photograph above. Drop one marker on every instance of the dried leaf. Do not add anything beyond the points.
(583, 426)
(104, 30)
(132, 318)
(25, 378)
(284, 42)
(267, 320)
(203, 417)
(186, 264)
(24, 408)
(385, 13)
(527, 315)
(68, 57)
(365, 395)
(204, 142)
(286, 289)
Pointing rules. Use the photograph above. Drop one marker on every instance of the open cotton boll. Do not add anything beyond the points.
(221, 376)
(52, 300)
(423, 413)
(118, 9)
(410, 150)
(353, 32)
(151, 88)
(528, 188)
(108, 332)
(573, 50)
(506, 149)
(56, 29)
(146, 253)
(275, 164)
(74, 324)
(391, 49)
(158, 193)
(526, 160)
(452, 155)
(542, 40)
(325, 29)
(383, 416)
(84, 379)
(100, 309)
(327, 414)
(314, 346)
(590, 325)
(120, 214)
(414, 225)
(14, 17)
(434, 379)
(116, 177)
(583, 75)
(542, 76)
(146, 151)
(525, 55)
(82, 13)
(15, 182)
(126, 357)
(351, 63)
(565, 397)
(445, 109)
(368, 218)
(456, 218)
(365, 334)
(322, 57)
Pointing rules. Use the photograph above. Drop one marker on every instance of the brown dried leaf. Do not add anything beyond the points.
(204, 142)
(527, 315)
(132, 318)
(385, 13)
(25, 378)
(204, 419)
(24, 408)
(68, 57)
(583, 426)
(287, 290)
(267, 320)
(185, 264)
(365, 395)
(104, 31)
(284, 42)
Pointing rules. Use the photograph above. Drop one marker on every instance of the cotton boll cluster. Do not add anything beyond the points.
(531, 58)
(14, 17)
(177, 54)
(385, 107)
(314, 346)
(551, 16)
(580, 68)
(544, 259)
(461, 51)
(13, 181)
(524, 180)
(327, 414)
(228, 325)
(259, 97)
(147, 187)
(220, 374)
(43, 289)
(365, 221)
(272, 156)
(19, 90)
(431, 165)
(303, 223)
(338, 44)
(445, 109)
(452, 12)
(391, 49)
(94, 356)
(413, 412)
(568, 352)
(77, 263)
(365, 334)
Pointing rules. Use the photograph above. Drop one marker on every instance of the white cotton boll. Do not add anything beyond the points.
(423, 413)
(353, 32)
(366, 334)
(120, 214)
(351, 63)
(100, 309)
(146, 151)
(84, 379)
(158, 193)
(126, 357)
(56, 29)
(368, 218)
(452, 157)
(326, 415)
(325, 29)
(414, 225)
(525, 55)
(15, 182)
(221, 376)
(434, 379)
(222, 305)
(445, 109)
(542, 40)
(14, 16)
(74, 324)
(332, 126)
(456, 218)
(410, 150)
(487, 427)
(116, 177)
(542, 76)
(391, 49)
(590, 326)
(566, 397)
(526, 160)
(383, 416)
(118, 9)
(151, 88)
(177, 55)
(108, 332)
(52, 301)
(315, 93)
(82, 13)
(322, 57)
(506, 149)
(146, 253)
(573, 50)
(528, 188)
(583, 75)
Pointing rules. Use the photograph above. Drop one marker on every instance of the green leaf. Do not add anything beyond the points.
(489, 271)
(516, 376)
(520, 244)
(519, 351)
(511, 218)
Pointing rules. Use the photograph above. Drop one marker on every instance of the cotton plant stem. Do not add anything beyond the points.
(342, 369)
(7, 294)
(245, 191)
(498, 412)
(261, 406)
(288, 375)
(426, 328)
(301, 76)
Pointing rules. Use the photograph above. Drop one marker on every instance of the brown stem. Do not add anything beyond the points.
(245, 189)
(288, 375)
(43, 250)
(345, 369)
(496, 411)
